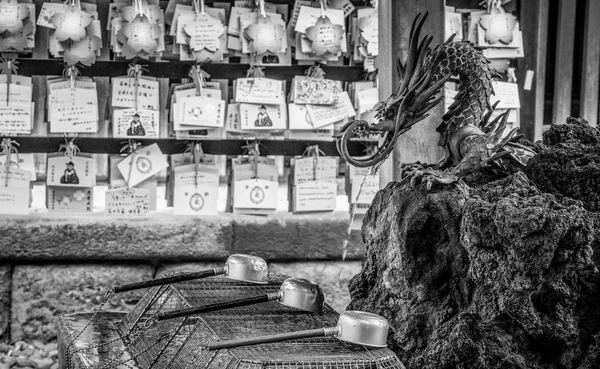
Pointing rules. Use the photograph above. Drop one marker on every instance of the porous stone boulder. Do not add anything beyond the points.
(569, 164)
(501, 275)
(40, 294)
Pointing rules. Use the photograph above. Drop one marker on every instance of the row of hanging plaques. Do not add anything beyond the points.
(258, 108)
(192, 188)
(257, 32)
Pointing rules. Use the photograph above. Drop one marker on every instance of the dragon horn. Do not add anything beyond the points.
(495, 121)
(416, 120)
(497, 155)
(506, 139)
(488, 114)
(400, 69)
(413, 44)
(499, 129)
(428, 77)
(451, 38)
(419, 19)
(517, 137)
(421, 52)
(429, 106)
(426, 95)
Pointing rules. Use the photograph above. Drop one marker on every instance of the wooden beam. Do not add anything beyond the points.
(100, 145)
(591, 64)
(531, 70)
(563, 73)
(396, 18)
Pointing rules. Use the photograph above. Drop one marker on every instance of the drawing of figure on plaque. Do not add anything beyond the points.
(262, 119)
(70, 176)
(135, 127)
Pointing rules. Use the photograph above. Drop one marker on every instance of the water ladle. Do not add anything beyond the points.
(239, 267)
(355, 327)
(294, 292)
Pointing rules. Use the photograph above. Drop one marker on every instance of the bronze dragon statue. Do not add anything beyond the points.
(471, 141)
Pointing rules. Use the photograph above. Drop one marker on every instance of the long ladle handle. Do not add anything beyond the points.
(218, 306)
(169, 280)
(319, 332)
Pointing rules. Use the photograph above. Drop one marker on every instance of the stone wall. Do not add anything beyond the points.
(54, 265)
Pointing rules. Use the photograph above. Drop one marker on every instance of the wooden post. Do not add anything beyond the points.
(591, 64)
(563, 74)
(395, 20)
(387, 77)
(531, 70)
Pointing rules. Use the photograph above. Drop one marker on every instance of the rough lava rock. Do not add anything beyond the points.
(501, 275)
(570, 163)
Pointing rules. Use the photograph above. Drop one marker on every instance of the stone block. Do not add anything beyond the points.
(5, 285)
(41, 293)
(161, 236)
(326, 274)
(297, 237)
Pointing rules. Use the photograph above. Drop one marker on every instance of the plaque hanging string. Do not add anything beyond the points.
(8, 67)
(8, 148)
(199, 7)
(131, 148)
(315, 71)
(261, 8)
(199, 78)
(69, 147)
(315, 152)
(135, 72)
(198, 155)
(138, 7)
(253, 152)
(323, 9)
(71, 73)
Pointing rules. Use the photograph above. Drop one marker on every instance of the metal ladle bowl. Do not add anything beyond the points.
(362, 328)
(239, 267)
(296, 293)
(301, 294)
(357, 327)
(246, 268)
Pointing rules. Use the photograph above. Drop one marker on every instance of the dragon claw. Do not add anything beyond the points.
(423, 173)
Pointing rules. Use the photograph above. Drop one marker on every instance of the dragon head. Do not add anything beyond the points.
(415, 96)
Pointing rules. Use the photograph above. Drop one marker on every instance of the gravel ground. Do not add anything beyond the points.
(36, 355)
